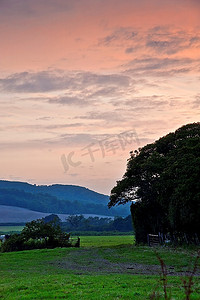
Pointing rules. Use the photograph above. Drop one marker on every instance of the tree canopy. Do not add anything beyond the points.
(162, 183)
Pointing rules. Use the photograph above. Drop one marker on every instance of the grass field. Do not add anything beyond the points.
(106, 241)
(10, 229)
(103, 268)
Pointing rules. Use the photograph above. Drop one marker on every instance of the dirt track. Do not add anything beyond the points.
(85, 261)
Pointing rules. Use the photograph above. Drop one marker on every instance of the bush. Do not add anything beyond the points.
(37, 235)
(14, 243)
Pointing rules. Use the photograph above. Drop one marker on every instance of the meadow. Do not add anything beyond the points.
(102, 268)
(11, 229)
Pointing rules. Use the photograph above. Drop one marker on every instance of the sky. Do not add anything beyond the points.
(84, 82)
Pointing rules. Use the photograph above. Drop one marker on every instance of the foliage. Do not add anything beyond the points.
(14, 243)
(54, 219)
(37, 234)
(39, 229)
(162, 183)
(188, 281)
(80, 223)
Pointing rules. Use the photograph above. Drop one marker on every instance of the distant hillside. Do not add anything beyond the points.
(62, 192)
(63, 199)
(12, 214)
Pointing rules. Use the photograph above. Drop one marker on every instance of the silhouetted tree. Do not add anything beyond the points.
(53, 219)
(162, 183)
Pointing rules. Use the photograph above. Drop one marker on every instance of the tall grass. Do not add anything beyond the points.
(187, 281)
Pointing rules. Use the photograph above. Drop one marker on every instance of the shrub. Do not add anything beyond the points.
(37, 235)
(14, 243)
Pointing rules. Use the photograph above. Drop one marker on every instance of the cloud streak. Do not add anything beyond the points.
(47, 81)
(168, 41)
(161, 66)
(119, 35)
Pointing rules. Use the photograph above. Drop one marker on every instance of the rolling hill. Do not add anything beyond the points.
(12, 214)
(62, 192)
(59, 199)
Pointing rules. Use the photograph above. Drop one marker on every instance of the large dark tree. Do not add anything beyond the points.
(162, 181)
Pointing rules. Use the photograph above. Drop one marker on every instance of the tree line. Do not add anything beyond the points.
(80, 223)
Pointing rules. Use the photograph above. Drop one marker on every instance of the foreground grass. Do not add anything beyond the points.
(49, 274)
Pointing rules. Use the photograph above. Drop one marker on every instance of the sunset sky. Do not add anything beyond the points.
(84, 82)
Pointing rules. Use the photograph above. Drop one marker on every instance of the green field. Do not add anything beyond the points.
(10, 229)
(106, 241)
(103, 268)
